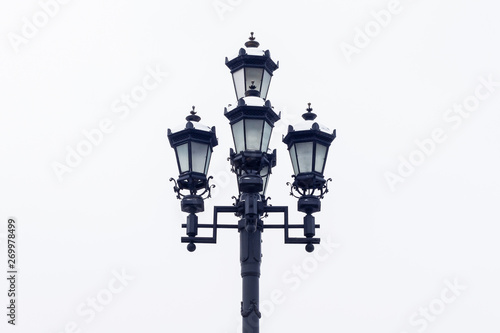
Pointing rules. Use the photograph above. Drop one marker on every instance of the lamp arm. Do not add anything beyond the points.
(192, 227)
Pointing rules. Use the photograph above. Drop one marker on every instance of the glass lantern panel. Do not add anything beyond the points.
(320, 157)
(293, 157)
(238, 136)
(239, 83)
(264, 185)
(304, 156)
(183, 157)
(266, 136)
(209, 155)
(199, 156)
(266, 80)
(253, 74)
(264, 173)
(253, 133)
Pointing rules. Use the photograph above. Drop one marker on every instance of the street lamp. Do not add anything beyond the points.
(193, 147)
(308, 143)
(252, 120)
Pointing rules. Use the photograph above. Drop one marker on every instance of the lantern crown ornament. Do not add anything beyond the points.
(252, 70)
(308, 144)
(193, 147)
(251, 41)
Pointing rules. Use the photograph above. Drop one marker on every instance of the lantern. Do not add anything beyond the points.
(193, 147)
(252, 70)
(308, 144)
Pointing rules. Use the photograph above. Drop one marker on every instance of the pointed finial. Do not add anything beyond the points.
(193, 116)
(309, 115)
(251, 41)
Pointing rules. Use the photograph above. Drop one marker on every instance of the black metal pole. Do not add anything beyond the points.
(250, 258)
(250, 228)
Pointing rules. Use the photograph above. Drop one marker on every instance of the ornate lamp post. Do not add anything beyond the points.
(252, 120)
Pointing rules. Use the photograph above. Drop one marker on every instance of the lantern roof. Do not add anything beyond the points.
(193, 122)
(309, 124)
(249, 101)
(252, 51)
(193, 125)
(251, 48)
(250, 107)
(250, 55)
(307, 128)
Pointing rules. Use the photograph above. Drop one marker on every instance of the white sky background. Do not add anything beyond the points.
(116, 210)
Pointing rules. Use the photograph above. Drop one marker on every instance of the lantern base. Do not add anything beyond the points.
(192, 204)
(250, 183)
(309, 204)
